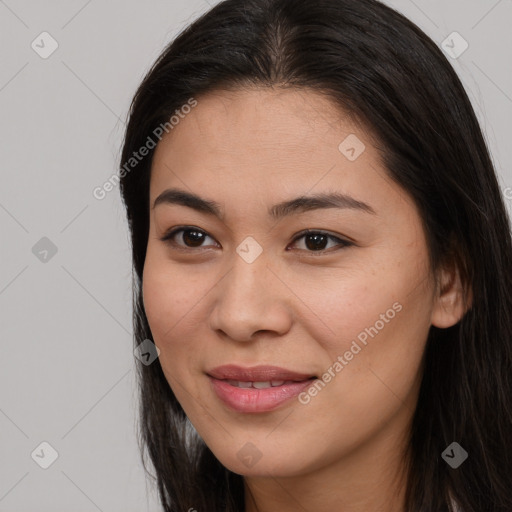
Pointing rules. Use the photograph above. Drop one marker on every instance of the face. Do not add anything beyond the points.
(331, 324)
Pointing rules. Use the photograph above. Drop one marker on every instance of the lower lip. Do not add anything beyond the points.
(257, 400)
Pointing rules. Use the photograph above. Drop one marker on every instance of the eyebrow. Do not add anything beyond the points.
(293, 206)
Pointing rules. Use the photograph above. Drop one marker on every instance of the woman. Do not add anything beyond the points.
(322, 258)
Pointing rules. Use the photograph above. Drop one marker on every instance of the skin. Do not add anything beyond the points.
(293, 306)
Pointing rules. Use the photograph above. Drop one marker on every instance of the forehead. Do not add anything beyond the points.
(261, 130)
(265, 118)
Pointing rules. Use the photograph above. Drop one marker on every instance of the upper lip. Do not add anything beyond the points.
(256, 373)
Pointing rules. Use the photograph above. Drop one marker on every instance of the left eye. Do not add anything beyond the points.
(315, 241)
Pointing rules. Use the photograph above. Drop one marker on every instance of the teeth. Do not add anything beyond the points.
(261, 385)
(258, 385)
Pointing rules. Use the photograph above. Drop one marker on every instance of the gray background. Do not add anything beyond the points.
(66, 365)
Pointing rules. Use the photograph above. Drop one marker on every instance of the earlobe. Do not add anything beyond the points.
(450, 304)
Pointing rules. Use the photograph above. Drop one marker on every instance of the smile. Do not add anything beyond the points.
(258, 385)
(257, 396)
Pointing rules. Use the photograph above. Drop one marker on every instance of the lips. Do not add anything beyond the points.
(257, 374)
(257, 389)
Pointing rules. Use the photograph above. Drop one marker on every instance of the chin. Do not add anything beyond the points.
(251, 462)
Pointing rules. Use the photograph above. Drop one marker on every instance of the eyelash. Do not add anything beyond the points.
(170, 234)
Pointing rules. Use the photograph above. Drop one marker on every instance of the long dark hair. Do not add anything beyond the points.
(378, 66)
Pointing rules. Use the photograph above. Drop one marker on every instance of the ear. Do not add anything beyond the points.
(450, 304)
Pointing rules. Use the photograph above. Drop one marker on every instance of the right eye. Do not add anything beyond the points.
(191, 237)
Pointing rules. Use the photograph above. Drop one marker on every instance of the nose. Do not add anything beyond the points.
(251, 299)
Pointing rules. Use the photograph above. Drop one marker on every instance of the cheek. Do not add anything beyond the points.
(165, 303)
(376, 320)
(376, 358)
(340, 309)
(169, 306)
(174, 299)
(373, 365)
(171, 295)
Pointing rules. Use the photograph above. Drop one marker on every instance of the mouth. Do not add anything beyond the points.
(257, 389)
(262, 384)
(257, 374)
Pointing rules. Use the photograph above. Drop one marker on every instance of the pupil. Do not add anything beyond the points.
(317, 238)
(195, 239)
